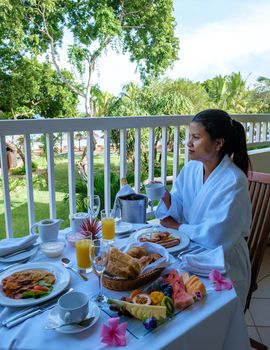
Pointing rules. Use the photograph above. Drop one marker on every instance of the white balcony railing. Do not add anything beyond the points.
(257, 129)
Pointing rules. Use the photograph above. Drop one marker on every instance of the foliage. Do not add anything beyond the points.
(229, 93)
(142, 28)
(81, 190)
(260, 96)
(29, 88)
(21, 170)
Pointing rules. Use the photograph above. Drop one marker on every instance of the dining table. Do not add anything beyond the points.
(214, 323)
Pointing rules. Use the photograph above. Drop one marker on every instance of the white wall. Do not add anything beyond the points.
(260, 160)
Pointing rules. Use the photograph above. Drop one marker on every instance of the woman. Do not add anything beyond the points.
(210, 200)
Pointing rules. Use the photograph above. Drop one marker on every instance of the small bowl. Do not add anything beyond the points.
(72, 237)
(53, 249)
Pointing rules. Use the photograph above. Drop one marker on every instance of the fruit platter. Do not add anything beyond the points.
(147, 308)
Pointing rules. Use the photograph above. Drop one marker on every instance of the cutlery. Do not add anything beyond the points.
(68, 264)
(20, 251)
(32, 309)
(83, 323)
(29, 315)
(194, 250)
(15, 264)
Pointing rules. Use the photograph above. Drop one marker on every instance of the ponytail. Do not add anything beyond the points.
(240, 156)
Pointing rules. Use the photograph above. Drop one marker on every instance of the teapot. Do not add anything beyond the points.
(48, 229)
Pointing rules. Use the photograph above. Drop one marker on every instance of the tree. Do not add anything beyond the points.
(142, 28)
(260, 95)
(229, 92)
(29, 88)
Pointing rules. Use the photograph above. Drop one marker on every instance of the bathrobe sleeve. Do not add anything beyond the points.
(176, 208)
(222, 217)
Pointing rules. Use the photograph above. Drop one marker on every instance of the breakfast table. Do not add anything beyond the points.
(216, 322)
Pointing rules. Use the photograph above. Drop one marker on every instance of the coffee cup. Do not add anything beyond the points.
(73, 307)
(48, 229)
(155, 190)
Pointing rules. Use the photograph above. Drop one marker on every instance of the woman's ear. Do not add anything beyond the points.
(219, 144)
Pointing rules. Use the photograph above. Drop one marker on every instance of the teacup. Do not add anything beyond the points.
(155, 190)
(48, 229)
(73, 307)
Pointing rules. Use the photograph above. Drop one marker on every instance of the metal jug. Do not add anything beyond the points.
(133, 208)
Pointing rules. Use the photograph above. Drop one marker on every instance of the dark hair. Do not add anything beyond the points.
(219, 124)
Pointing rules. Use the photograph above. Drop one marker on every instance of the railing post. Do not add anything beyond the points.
(6, 192)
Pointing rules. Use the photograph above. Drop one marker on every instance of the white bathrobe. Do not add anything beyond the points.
(217, 212)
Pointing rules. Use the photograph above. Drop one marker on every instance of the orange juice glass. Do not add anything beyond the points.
(108, 225)
(83, 254)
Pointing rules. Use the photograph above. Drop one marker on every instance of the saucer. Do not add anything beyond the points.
(123, 227)
(54, 320)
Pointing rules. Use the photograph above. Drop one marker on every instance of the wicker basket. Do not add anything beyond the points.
(115, 283)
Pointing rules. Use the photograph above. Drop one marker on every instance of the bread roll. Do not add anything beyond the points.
(122, 265)
(137, 252)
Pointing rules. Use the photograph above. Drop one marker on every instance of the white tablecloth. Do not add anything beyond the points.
(215, 323)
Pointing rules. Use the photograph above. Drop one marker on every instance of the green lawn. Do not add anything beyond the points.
(41, 195)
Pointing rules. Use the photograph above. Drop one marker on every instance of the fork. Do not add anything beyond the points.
(15, 264)
(194, 250)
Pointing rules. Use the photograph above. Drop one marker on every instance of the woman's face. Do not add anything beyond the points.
(200, 146)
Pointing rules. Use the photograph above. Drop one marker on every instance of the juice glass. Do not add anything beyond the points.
(108, 225)
(83, 254)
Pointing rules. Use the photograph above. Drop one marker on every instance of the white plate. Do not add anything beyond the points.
(20, 256)
(123, 227)
(184, 239)
(54, 320)
(61, 274)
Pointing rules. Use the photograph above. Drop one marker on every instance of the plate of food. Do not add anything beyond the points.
(171, 239)
(33, 283)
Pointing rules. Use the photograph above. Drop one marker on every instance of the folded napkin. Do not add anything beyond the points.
(204, 263)
(165, 260)
(125, 190)
(11, 245)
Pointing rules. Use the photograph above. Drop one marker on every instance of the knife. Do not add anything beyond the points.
(29, 315)
(48, 303)
(20, 251)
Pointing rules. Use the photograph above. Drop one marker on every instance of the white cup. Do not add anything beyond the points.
(155, 190)
(48, 229)
(73, 307)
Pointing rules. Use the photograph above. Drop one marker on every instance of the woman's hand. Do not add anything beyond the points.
(167, 198)
(170, 223)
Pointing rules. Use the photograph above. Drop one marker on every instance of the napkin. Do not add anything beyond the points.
(11, 245)
(165, 260)
(204, 263)
(125, 190)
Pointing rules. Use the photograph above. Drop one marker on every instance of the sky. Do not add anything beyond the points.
(216, 37)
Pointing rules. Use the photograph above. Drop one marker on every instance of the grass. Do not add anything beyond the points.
(18, 195)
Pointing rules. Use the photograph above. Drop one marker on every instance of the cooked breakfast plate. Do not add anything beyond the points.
(171, 239)
(60, 275)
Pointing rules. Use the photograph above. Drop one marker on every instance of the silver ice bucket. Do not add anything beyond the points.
(133, 208)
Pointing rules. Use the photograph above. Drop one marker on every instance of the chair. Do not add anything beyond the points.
(259, 188)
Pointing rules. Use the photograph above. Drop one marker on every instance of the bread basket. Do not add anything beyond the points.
(119, 284)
